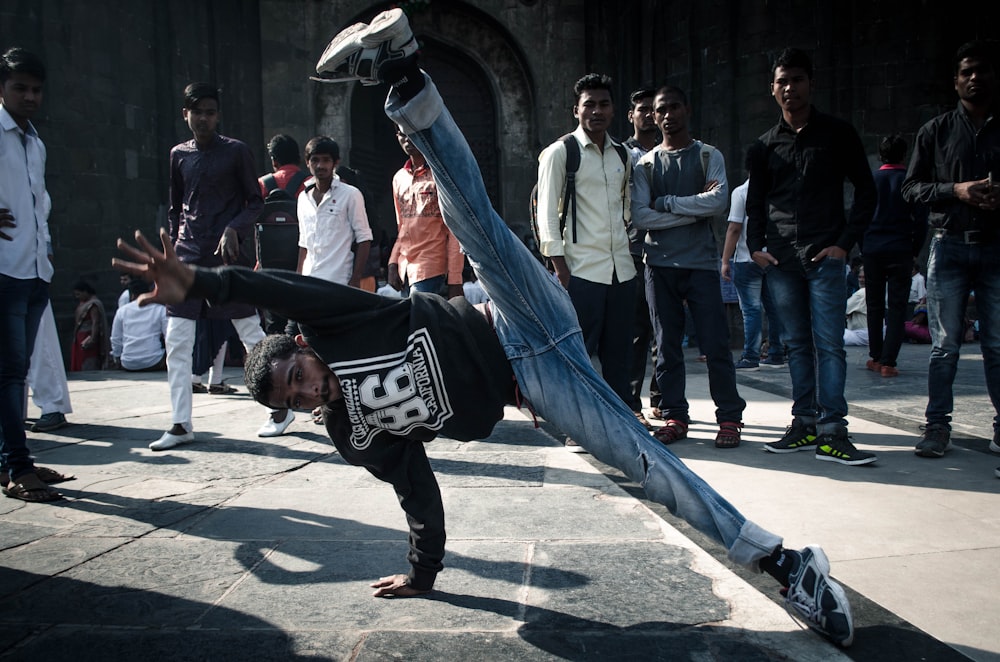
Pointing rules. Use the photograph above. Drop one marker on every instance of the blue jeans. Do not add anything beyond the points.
(22, 303)
(537, 326)
(667, 288)
(955, 269)
(812, 306)
(755, 297)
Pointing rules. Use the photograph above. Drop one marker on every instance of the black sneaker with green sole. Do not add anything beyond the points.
(799, 436)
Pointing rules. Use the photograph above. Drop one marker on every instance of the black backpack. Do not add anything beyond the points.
(276, 229)
(569, 194)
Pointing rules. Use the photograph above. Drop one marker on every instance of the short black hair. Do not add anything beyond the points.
(137, 286)
(672, 89)
(792, 58)
(979, 49)
(284, 150)
(195, 92)
(594, 82)
(83, 286)
(641, 93)
(18, 60)
(323, 145)
(257, 365)
(892, 149)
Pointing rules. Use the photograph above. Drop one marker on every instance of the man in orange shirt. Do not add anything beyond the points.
(426, 256)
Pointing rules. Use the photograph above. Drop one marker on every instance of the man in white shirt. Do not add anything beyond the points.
(25, 265)
(334, 235)
(137, 333)
(590, 254)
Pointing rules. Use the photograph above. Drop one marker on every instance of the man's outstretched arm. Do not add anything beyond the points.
(311, 301)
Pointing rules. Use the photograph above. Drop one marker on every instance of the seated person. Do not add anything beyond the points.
(137, 333)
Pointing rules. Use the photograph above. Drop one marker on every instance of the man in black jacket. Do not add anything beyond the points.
(392, 373)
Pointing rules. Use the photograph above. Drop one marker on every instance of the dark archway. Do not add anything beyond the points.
(375, 152)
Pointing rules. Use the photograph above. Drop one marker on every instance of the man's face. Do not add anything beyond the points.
(203, 119)
(641, 115)
(975, 81)
(322, 166)
(594, 110)
(407, 146)
(792, 88)
(22, 95)
(302, 381)
(671, 113)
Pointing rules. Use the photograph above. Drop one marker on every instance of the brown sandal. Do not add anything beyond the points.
(673, 430)
(30, 487)
(729, 435)
(47, 476)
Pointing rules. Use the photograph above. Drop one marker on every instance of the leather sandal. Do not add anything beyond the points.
(30, 487)
(47, 476)
(673, 430)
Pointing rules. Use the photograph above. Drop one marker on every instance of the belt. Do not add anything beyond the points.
(970, 237)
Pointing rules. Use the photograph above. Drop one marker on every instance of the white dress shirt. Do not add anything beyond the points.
(328, 229)
(22, 191)
(136, 333)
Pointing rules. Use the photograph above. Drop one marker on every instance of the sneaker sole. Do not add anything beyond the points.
(931, 452)
(848, 462)
(823, 563)
(332, 49)
(994, 447)
(384, 28)
(806, 447)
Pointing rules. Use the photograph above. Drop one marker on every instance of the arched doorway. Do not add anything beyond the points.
(375, 152)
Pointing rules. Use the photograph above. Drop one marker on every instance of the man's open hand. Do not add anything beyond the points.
(171, 277)
(395, 585)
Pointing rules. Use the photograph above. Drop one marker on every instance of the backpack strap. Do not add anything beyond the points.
(270, 183)
(294, 182)
(572, 165)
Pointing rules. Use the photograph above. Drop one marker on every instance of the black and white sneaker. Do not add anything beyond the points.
(360, 51)
(818, 600)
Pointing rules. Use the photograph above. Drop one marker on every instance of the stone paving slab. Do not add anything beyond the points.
(239, 548)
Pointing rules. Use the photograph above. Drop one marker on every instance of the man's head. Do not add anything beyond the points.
(640, 115)
(975, 73)
(322, 157)
(792, 80)
(671, 112)
(892, 149)
(136, 287)
(595, 107)
(407, 146)
(283, 150)
(283, 372)
(22, 75)
(201, 110)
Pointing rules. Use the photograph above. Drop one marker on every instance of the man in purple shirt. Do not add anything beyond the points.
(214, 199)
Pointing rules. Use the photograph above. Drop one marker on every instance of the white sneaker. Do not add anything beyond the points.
(359, 51)
(170, 440)
(275, 429)
(817, 599)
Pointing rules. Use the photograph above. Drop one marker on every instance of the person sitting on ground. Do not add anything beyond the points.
(137, 333)
(393, 373)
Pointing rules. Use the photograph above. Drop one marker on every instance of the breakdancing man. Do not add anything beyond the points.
(392, 373)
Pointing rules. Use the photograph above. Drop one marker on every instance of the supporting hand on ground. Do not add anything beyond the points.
(395, 585)
(171, 277)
